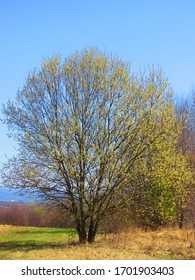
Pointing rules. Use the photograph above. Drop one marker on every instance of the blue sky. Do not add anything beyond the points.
(145, 33)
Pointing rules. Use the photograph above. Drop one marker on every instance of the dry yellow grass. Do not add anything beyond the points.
(133, 244)
(164, 244)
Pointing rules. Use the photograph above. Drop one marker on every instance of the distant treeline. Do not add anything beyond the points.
(33, 214)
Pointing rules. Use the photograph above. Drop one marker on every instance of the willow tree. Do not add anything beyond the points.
(81, 124)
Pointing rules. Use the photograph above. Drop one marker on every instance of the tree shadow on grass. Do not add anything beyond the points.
(27, 245)
(34, 245)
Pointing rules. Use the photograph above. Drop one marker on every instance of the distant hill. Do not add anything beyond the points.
(7, 194)
(7, 204)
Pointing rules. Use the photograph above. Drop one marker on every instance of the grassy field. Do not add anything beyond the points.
(58, 244)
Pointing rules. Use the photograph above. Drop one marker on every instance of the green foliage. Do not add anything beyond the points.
(158, 184)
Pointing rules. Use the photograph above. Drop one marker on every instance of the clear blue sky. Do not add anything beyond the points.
(158, 32)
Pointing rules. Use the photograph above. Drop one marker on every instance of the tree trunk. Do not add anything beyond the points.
(92, 231)
(81, 231)
(181, 218)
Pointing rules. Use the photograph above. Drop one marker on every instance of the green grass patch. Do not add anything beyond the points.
(29, 238)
